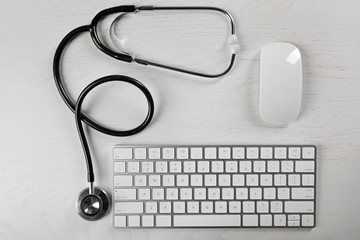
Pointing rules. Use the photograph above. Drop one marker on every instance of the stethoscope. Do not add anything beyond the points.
(93, 203)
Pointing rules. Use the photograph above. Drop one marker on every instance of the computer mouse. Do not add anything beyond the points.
(280, 85)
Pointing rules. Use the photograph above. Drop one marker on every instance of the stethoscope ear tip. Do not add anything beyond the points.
(93, 206)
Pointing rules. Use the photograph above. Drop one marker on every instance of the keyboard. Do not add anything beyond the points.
(214, 186)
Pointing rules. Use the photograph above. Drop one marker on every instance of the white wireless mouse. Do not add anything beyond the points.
(280, 83)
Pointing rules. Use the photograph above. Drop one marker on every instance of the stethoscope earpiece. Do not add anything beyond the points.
(93, 206)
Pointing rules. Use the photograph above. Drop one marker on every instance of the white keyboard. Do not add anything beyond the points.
(214, 186)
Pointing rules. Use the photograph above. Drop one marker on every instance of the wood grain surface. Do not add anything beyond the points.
(42, 165)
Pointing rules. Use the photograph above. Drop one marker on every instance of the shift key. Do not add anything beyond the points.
(128, 207)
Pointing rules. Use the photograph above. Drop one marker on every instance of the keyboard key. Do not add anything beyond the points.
(250, 220)
(214, 193)
(280, 180)
(120, 221)
(185, 193)
(299, 207)
(266, 153)
(161, 166)
(252, 180)
(179, 207)
(125, 194)
(308, 153)
(305, 166)
(241, 193)
(210, 180)
(294, 153)
(238, 153)
(175, 167)
(147, 167)
(123, 153)
(248, 207)
(224, 153)
(140, 180)
(158, 193)
(280, 153)
(287, 166)
(245, 166)
(262, 207)
(210, 153)
(266, 180)
(182, 180)
(220, 207)
(123, 181)
(280, 220)
(231, 166)
(255, 193)
(203, 166)
(140, 153)
(227, 193)
(172, 194)
(307, 220)
(252, 153)
(200, 193)
(189, 166)
(163, 220)
(196, 153)
(193, 207)
(168, 153)
(207, 220)
(294, 179)
(119, 167)
(302, 193)
(269, 193)
(308, 179)
(128, 207)
(238, 180)
(148, 220)
(182, 153)
(134, 221)
(234, 207)
(283, 193)
(154, 153)
(151, 207)
(266, 220)
(144, 193)
(276, 206)
(168, 180)
(133, 167)
(259, 166)
(154, 180)
(196, 180)
(217, 166)
(273, 166)
(207, 207)
(165, 207)
(224, 180)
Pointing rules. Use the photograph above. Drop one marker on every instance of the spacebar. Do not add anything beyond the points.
(219, 220)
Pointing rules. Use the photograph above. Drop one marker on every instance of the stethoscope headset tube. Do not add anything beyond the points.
(93, 203)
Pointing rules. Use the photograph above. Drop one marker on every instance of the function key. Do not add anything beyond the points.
(308, 153)
(266, 153)
(224, 153)
(168, 153)
(154, 153)
(140, 153)
(252, 153)
(210, 153)
(182, 153)
(196, 153)
(294, 152)
(280, 152)
(238, 153)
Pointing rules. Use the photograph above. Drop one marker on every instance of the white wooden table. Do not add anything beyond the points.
(42, 165)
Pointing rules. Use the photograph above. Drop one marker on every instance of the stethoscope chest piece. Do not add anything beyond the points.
(93, 206)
